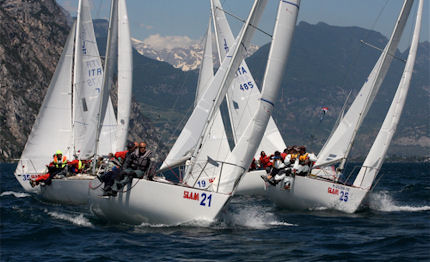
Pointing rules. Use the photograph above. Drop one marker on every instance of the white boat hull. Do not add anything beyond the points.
(145, 201)
(312, 193)
(71, 190)
(251, 183)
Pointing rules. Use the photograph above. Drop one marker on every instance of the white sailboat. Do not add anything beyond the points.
(69, 118)
(312, 191)
(160, 202)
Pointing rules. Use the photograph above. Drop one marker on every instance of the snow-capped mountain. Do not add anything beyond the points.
(188, 58)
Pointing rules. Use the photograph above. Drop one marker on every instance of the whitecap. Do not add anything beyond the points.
(253, 217)
(382, 201)
(15, 194)
(79, 220)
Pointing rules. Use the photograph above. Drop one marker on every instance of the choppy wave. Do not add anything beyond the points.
(79, 220)
(15, 194)
(255, 217)
(382, 201)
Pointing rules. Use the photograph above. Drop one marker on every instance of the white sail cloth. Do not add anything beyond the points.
(125, 76)
(243, 95)
(52, 129)
(338, 146)
(208, 105)
(241, 156)
(216, 145)
(375, 158)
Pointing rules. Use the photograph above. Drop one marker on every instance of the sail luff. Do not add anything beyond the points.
(340, 143)
(75, 75)
(206, 66)
(125, 76)
(375, 158)
(206, 107)
(242, 154)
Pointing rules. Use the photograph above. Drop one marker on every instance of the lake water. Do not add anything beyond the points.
(394, 225)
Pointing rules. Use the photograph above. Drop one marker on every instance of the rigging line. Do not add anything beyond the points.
(379, 49)
(243, 21)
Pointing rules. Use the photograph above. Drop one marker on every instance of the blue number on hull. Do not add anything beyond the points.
(208, 198)
(344, 196)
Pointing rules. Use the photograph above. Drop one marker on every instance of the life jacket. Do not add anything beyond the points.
(265, 161)
(283, 155)
(76, 164)
(303, 158)
(293, 158)
(61, 164)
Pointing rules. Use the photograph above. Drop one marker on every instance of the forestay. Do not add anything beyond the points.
(243, 95)
(375, 158)
(339, 145)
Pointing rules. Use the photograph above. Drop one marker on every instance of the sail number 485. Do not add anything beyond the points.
(206, 199)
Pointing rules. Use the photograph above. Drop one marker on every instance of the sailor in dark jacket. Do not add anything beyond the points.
(138, 162)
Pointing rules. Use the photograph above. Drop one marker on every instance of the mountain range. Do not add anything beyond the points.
(183, 58)
(325, 63)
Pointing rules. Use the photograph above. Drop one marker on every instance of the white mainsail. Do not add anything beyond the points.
(339, 145)
(375, 158)
(52, 129)
(243, 95)
(241, 156)
(210, 101)
(125, 78)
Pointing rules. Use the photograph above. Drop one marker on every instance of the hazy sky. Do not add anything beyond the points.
(181, 22)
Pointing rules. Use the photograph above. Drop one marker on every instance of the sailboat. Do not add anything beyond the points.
(312, 191)
(70, 118)
(161, 202)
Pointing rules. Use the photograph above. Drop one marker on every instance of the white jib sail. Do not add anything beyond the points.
(243, 95)
(52, 129)
(106, 132)
(242, 154)
(211, 99)
(125, 76)
(375, 158)
(339, 145)
(88, 77)
(216, 145)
